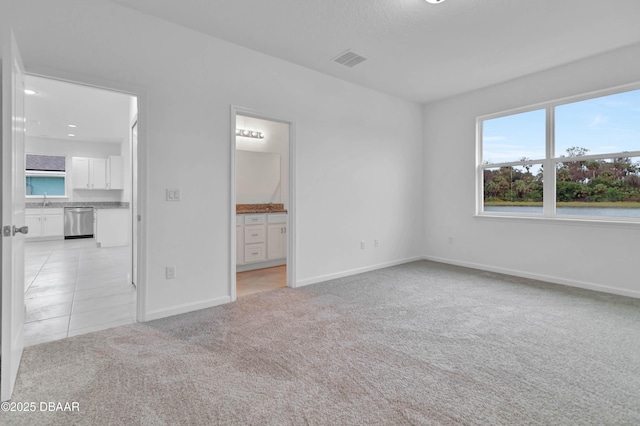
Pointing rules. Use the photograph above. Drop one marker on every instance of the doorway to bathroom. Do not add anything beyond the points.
(262, 194)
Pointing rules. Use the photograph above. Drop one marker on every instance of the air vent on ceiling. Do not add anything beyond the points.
(349, 58)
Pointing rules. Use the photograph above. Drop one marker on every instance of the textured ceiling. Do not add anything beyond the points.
(415, 50)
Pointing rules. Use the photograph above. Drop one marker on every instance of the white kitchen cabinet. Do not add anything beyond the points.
(33, 219)
(98, 173)
(276, 236)
(89, 173)
(80, 173)
(115, 172)
(53, 223)
(112, 227)
(45, 223)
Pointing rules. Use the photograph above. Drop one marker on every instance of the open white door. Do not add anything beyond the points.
(134, 202)
(13, 196)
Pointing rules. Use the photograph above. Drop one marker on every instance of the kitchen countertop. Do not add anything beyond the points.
(94, 204)
(259, 208)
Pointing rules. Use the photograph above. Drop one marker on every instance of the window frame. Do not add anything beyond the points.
(549, 162)
(45, 173)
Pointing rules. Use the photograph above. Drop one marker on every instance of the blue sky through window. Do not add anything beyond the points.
(512, 137)
(602, 125)
(606, 124)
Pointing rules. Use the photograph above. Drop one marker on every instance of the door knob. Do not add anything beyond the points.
(21, 230)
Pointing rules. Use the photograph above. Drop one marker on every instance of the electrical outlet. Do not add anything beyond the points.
(376, 243)
(170, 272)
(362, 245)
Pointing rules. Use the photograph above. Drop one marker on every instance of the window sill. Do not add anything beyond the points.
(564, 221)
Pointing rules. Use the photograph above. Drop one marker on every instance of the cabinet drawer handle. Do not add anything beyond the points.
(255, 253)
(254, 235)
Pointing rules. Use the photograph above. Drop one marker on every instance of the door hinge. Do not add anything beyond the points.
(6, 231)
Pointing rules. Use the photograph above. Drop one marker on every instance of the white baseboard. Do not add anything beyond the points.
(260, 265)
(187, 307)
(322, 278)
(539, 277)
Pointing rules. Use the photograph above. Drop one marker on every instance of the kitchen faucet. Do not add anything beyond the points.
(45, 202)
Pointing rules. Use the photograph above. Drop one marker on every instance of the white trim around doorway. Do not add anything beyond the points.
(291, 208)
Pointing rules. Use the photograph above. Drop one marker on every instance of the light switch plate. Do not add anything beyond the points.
(170, 272)
(173, 194)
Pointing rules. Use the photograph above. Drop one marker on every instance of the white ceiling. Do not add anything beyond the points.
(416, 50)
(100, 115)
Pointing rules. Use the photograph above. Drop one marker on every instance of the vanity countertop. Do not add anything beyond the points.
(259, 208)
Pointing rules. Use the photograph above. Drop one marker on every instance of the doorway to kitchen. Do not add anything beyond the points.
(80, 172)
(263, 207)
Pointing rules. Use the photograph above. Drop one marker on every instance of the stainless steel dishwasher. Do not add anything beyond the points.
(78, 222)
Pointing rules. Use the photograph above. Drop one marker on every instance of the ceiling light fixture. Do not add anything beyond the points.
(250, 133)
(30, 92)
(72, 125)
(70, 134)
(434, 1)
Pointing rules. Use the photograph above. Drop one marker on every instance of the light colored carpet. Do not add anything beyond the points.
(421, 343)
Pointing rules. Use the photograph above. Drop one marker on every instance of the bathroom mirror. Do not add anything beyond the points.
(257, 177)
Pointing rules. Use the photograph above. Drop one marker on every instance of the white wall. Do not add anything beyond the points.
(586, 255)
(358, 158)
(49, 146)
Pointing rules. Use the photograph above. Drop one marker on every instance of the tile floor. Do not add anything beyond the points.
(260, 280)
(72, 287)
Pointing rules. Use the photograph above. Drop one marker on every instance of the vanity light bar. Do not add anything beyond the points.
(249, 133)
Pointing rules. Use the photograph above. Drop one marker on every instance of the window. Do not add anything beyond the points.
(589, 148)
(45, 174)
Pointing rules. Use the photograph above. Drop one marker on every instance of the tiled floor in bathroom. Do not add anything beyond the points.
(72, 287)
